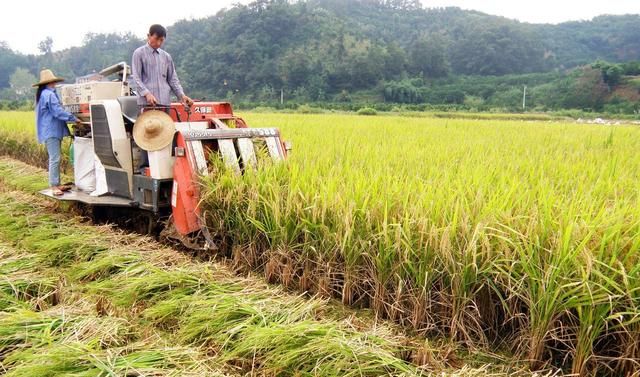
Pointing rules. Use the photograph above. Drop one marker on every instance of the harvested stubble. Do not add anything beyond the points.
(21, 285)
(509, 234)
(66, 337)
(65, 341)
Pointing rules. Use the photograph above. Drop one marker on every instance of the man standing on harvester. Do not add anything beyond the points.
(154, 75)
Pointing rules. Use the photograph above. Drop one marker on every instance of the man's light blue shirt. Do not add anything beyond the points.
(51, 118)
(153, 71)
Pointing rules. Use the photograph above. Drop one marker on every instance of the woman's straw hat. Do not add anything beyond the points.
(46, 77)
(153, 130)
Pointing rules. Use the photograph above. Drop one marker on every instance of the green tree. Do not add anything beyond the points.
(9, 60)
(46, 46)
(20, 83)
(613, 74)
(395, 61)
(297, 69)
(428, 57)
(496, 49)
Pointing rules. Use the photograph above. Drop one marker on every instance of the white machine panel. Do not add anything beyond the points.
(112, 144)
(73, 95)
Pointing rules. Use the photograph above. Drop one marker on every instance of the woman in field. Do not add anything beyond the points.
(51, 124)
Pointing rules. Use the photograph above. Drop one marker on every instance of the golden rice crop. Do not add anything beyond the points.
(491, 233)
(18, 139)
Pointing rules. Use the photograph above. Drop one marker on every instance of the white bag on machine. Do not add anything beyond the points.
(101, 178)
(83, 164)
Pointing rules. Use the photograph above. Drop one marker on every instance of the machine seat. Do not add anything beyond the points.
(129, 106)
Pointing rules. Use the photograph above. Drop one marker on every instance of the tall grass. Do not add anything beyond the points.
(506, 233)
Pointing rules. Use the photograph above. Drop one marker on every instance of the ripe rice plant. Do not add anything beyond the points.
(18, 140)
(490, 233)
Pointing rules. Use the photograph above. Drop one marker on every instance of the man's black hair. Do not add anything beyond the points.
(158, 30)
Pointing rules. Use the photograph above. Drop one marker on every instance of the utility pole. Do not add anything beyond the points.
(524, 98)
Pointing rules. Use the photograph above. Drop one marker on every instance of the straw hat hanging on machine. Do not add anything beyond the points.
(153, 130)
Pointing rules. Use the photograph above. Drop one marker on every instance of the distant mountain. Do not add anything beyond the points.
(326, 49)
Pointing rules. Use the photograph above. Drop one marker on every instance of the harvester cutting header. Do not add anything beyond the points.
(180, 140)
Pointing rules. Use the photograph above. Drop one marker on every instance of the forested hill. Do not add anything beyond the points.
(327, 49)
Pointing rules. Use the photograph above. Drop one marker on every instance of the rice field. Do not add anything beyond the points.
(517, 237)
(496, 234)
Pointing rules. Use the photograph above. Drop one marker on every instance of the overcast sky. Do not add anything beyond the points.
(26, 22)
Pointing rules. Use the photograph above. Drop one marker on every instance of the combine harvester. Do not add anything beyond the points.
(181, 143)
